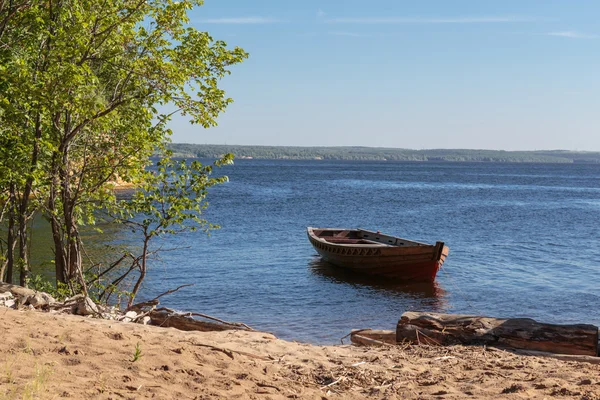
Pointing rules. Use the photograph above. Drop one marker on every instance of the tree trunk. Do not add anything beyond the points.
(10, 240)
(10, 249)
(24, 212)
(76, 261)
(142, 266)
(3, 268)
(23, 256)
(72, 241)
(59, 256)
(520, 333)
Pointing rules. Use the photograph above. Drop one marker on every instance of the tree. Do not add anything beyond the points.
(170, 201)
(82, 89)
(21, 132)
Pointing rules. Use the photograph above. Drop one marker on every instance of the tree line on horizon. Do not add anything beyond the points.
(209, 151)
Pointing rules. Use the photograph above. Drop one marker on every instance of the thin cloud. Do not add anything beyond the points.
(413, 20)
(242, 20)
(572, 35)
(321, 13)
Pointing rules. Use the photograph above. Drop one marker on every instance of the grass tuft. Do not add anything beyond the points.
(137, 354)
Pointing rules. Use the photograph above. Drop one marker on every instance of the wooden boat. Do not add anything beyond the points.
(377, 254)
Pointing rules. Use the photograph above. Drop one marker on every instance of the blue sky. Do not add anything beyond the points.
(478, 74)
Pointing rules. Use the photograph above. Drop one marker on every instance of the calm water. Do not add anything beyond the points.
(524, 242)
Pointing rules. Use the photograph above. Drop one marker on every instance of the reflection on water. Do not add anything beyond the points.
(104, 243)
(433, 294)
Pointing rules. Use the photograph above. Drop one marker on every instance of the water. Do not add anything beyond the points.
(523, 238)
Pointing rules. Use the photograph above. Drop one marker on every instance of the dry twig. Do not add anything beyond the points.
(230, 352)
(259, 384)
(333, 383)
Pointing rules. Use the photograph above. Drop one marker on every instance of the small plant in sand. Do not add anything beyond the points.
(137, 354)
(36, 386)
(8, 375)
(8, 390)
(102, 384)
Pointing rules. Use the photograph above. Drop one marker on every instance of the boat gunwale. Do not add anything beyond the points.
(374, 245)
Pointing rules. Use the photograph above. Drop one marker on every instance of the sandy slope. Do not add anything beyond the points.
(55, 356)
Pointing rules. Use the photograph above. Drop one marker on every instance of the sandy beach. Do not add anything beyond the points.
(50, 356)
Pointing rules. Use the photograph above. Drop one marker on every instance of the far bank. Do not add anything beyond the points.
(211, 151)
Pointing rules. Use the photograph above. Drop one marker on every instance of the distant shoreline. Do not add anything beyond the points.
(383, 154)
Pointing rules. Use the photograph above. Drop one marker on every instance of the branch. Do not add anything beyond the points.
(154, 302)
(106, 271)
(98, 35)
(100, 114)
(172, 291)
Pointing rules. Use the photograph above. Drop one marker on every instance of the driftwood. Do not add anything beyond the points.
(16, 290)
(562, 357)
(138, 307)
(27, 296)
(170, 319)
(144, 312)
(373, 337)
(519, 333)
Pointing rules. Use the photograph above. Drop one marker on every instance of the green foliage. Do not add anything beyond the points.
(60, 291)
(84, 86)
(381, 154)
(172, 198)
(41, 284)
(137, 354)
(170, 201)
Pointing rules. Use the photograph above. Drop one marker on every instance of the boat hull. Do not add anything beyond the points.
(419, 263)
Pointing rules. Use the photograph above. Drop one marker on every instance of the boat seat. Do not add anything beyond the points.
(374, 242)
(342, 240)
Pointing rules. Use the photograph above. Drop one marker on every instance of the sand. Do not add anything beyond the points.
(51, 356)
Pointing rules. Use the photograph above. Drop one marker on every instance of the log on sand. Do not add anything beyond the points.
(16, 290)
(519, 333)
(168, 319)
(27, 296)
(373, 337)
